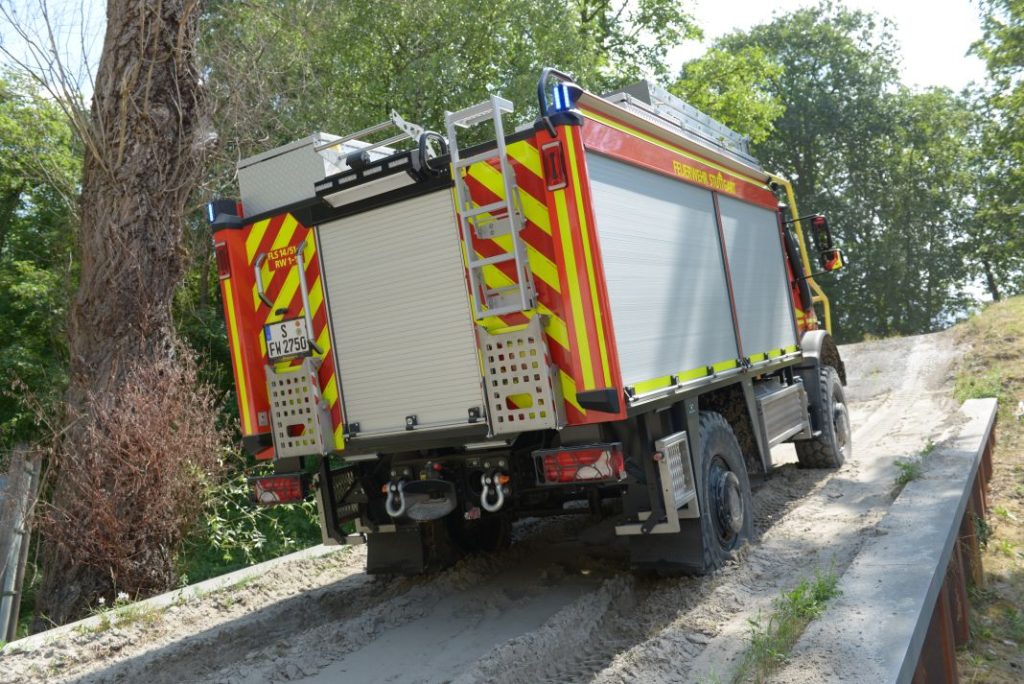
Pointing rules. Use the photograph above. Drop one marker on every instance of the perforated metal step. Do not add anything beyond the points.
(521, 381)
(299, 416)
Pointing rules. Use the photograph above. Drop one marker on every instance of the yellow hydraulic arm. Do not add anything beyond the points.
(817, 294)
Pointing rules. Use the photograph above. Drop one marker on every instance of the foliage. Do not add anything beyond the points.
(39, 170)
(737, 87)
(772, 637)
(891, 167)
(132, 485)
(234, 533)
(996, 249)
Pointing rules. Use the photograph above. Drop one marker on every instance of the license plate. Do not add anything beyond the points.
(286, 338)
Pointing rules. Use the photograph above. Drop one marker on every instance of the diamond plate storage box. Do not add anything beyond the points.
(283, 175)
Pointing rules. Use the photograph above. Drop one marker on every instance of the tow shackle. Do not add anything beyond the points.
(490, 481)
(394, 504)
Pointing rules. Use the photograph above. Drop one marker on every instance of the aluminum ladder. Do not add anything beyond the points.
(493, 220)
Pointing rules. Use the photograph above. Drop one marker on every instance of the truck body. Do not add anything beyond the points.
(610, 305)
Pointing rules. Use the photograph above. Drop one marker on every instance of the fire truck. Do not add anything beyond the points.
(609, 310)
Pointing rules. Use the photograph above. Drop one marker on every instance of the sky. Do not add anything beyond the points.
(934, 34)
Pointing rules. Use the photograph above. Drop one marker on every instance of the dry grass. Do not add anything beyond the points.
(995, 367)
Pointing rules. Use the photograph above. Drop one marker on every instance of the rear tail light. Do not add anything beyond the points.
(591, 463)
(223, 261)
(278, 489)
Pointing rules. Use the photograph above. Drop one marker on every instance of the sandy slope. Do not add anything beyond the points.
(560, 605)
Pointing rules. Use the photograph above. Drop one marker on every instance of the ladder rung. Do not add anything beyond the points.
(490, 261)
(486, 209)
(465, 118)
(474, 158)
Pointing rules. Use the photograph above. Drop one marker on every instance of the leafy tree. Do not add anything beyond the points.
(39, 171)
(886, 164)
(737, 87)
(996, 246)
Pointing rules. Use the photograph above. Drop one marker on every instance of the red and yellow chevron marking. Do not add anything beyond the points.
(565, 264)
(278, 237)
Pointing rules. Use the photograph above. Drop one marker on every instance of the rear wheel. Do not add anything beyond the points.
(725, 524)
(833, 446)
(726, 519)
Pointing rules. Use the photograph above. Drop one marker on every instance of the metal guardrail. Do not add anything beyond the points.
(17, 495)
(904, 609)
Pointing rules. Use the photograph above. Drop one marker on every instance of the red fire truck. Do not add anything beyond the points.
(614, 305)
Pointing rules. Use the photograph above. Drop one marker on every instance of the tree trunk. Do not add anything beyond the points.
(141, 163)
(990, 280)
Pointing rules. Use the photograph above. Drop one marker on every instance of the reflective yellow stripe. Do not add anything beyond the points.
(555, 326)
(316, 298)
(564, 232)
(339, 438)
(792, 348)
(569, 390)
(527, 155)
(535, 210)
(236, 355)
(542, 267)
(666, 381)
(330, 393)
(324, 342)
(284, 297)
(672, 148)
(591, 275)
(724, 365)
(252, 243)
(284, 237)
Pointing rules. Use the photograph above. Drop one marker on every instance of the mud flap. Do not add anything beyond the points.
(411, 549)
(395, 553)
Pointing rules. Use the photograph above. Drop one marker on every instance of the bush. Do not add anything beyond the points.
(128, 485)
(234, 533)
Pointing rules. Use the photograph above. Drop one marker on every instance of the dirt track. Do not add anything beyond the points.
(561, 605)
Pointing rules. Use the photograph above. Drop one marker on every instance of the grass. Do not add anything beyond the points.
(910, 469)
(772, 637)
(994, 367)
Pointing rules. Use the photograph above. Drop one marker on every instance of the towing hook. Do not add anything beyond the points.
(394, 504)
(488, 481)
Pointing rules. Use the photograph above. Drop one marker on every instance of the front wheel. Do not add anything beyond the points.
(834, 444)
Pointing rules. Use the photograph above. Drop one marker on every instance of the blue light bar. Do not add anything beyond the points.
(562, 97)
(209, 211)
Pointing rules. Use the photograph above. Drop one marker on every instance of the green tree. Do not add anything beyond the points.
(996, 246)
(39, 175)
(737, 87)
(886, 164)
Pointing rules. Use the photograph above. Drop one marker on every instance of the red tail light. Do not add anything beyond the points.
(278, 489)
(223, 261)
(596, 462)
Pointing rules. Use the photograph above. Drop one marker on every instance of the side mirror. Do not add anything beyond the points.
(831, 258)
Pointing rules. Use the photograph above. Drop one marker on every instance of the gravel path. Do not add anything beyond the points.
(560, 605)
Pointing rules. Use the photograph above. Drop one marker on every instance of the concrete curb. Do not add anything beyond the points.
(898, 613)
(213, 584)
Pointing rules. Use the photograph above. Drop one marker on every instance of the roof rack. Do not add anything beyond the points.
(646, 99)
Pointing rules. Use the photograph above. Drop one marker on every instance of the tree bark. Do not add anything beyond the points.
(141, 163)
(990, 280)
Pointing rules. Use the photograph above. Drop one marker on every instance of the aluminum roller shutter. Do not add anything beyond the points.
(399, 313)
(663, 269)
(759, 279)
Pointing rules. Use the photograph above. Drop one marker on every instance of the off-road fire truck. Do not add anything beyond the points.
(610, 309)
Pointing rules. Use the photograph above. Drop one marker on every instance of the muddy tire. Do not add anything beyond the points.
(725, 524)
(833, 446)
(726, 520)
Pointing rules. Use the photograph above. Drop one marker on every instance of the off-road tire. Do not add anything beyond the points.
(720, 451)
(834, 445)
